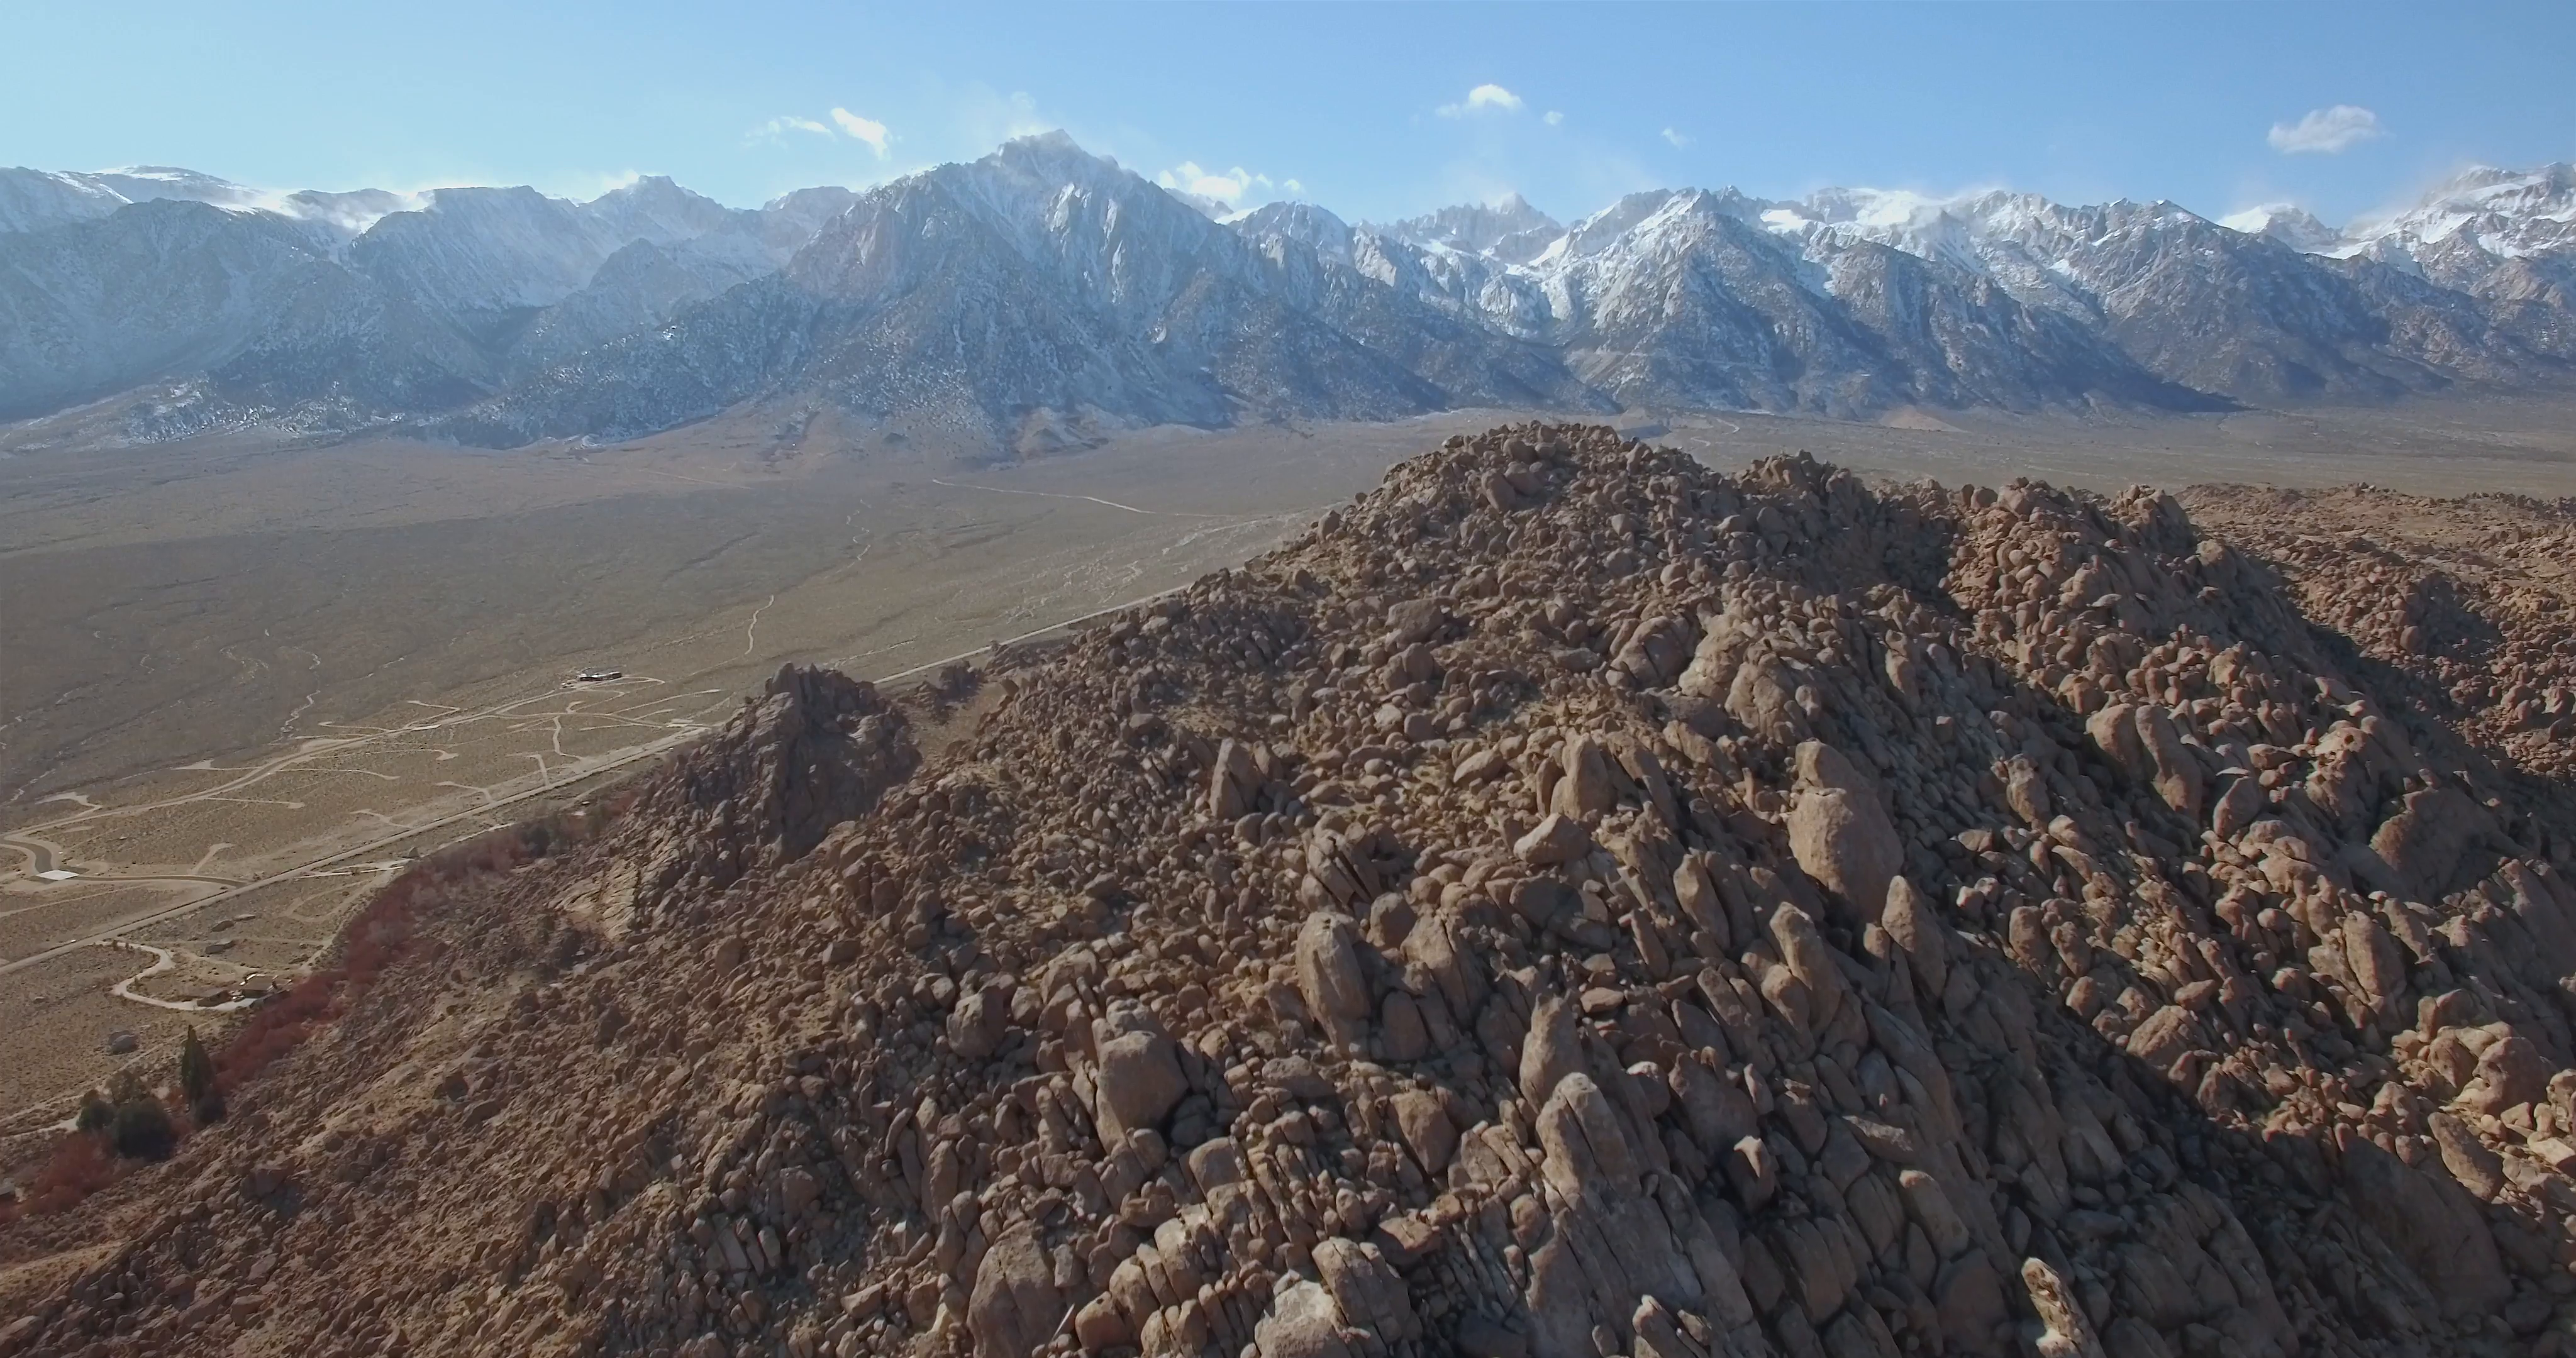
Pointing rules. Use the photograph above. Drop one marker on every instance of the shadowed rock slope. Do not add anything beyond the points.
(1569, 902)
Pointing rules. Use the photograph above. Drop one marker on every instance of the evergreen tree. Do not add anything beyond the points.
(197, 1080)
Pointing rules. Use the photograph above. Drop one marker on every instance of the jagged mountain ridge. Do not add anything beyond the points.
(1040, 285)
(1068, 294)
(347, 308)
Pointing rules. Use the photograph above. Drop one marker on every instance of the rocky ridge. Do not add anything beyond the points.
(1569, 902)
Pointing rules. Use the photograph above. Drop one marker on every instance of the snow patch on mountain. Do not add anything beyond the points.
(2289, 224)
(1044, 288)
(2506, 213)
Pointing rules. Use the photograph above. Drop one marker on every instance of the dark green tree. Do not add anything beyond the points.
(197, 1080)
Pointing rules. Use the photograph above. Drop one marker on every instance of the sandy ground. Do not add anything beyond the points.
(2449, 446)
(70, 996)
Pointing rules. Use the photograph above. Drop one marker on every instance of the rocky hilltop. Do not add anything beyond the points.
(1570, 902)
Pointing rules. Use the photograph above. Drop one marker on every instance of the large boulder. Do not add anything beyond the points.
(2244, 799)
(1414, 621)
(1586, 789)
(1812, 960)
(1015, 1308)
(2066, 1332)
(1427, 1128)
(2431, 1222)
(1557, 839)
(2114, 730)
(978, 1024)
(1329, 974)
(1139, 1080)
(2433, 841)
(1366, 1289)
(2163, 1037)
(1845, 840)
(1916, 930)
(2512, 1070)
(1764, 698)
(1658, 652)
(1584, 1147)
(2172, 768)
(1552, 1051)
(1303, 1323)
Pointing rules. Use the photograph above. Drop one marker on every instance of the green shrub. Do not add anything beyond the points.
(95, 1113)
(138, 1126)
(142, 1130)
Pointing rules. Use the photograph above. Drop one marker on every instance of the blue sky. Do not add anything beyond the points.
(1368, 110)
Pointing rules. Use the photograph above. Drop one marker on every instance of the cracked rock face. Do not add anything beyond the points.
(1570, 902)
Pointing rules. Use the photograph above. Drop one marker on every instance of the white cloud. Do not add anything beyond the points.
(2325, 131)
(856, 128)
(776, 129)
(868, 130)
(1487, 98)
(1552, 118)
(1225, 186)
(1676, 138)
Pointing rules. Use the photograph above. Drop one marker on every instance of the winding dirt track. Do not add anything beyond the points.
(577, 772)
(165, 960)
(41, 853)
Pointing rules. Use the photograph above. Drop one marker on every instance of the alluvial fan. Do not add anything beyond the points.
(1570, 902)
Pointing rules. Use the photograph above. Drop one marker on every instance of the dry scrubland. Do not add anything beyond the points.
(1567, 902)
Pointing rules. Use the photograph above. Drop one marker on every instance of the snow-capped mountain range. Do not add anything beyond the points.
(1043, 292)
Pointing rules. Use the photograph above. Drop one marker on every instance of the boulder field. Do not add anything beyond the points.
(1569, 903)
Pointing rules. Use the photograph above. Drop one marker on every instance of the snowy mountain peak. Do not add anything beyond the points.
(653, 208)
(1042, 287)
(1878, 207)
(1629, 213)
(31, 200)
(2549, 191)
(1304, 223)
(1508, 227)
(2505, 213)
(2287, 223)
(1052, 155)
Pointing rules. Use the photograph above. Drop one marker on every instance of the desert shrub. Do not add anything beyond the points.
(79, 1166)
(138, 1126)
(274, 1029)
(383, 932)
(95, 1113)
(142, 1130)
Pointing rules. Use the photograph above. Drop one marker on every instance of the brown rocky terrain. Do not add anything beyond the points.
(1568, 902)
(2467, 603)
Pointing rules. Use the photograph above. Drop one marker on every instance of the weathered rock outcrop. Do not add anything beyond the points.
(1569, 903)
